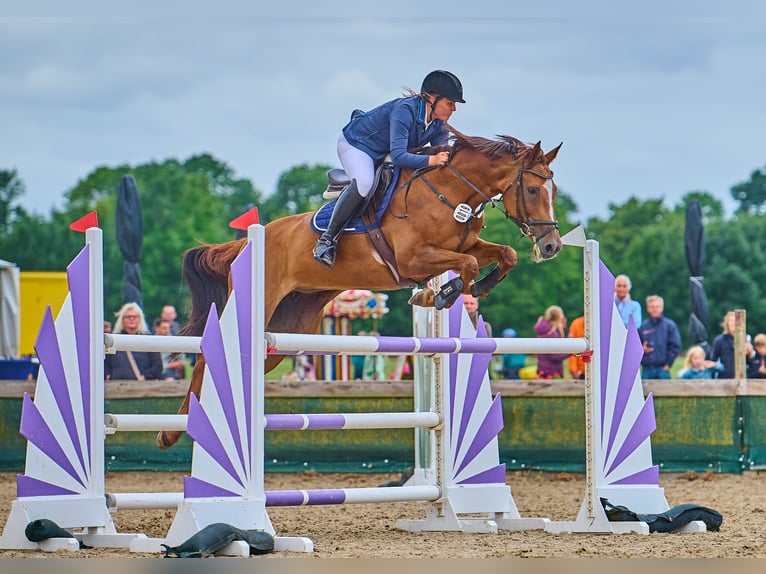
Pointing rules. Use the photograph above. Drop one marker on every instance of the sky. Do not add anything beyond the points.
(650, 104)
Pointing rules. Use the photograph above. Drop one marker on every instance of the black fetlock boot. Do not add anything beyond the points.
(348, 205)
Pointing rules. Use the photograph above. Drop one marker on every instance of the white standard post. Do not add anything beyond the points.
(423, 396)
(257, 236)
(94, 238)
(592, 293)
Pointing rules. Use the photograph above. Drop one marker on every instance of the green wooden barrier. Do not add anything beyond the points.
(713, 425)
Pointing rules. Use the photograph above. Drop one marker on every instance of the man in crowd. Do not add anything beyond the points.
(661, 340)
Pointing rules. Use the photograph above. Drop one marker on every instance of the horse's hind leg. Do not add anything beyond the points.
(166, 439)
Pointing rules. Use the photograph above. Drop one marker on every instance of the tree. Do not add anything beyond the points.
(11, 188)
(182, 203)
(298, 190)
(625, 224)
(735, 272)
(751, 195)
(711, 207)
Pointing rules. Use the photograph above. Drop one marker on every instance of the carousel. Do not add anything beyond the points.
(338, 316)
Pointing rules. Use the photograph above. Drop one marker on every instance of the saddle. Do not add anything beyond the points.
(377, 203)
(338, 179)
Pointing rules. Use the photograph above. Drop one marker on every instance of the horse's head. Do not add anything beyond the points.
(529, 200)
(519, 176)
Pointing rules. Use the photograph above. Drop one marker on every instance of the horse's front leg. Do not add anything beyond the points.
(431, 261)
(486, 253)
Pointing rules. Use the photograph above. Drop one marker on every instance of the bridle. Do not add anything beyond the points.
(521, 206)
(521, 219)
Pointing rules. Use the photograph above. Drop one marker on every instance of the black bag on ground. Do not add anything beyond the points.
(215, 536)
(43, 529)
(668, 521)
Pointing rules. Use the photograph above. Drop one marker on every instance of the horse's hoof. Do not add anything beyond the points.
(482, 287)
(423, 298)
(166, 439)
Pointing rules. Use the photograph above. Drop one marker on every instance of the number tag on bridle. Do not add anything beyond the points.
(463, 212)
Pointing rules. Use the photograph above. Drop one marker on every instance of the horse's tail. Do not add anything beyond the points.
(206, 271)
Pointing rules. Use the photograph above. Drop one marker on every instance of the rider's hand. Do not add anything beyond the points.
(440, 158)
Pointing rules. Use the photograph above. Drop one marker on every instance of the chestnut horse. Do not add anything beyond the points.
(423, 228)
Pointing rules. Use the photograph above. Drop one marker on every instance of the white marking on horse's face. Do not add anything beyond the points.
(548, 185)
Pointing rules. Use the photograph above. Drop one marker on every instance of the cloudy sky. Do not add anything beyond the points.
(650, 104)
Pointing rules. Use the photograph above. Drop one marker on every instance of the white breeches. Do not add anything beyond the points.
(357, 165)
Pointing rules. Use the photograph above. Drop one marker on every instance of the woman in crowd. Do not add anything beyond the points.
(132, 365)
(551, 325)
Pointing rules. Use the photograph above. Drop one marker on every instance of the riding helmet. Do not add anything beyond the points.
(444, 84)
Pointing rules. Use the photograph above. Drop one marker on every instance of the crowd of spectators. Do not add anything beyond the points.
(660, 341)
(143, 365)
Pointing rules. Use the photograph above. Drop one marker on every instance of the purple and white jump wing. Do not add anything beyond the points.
(475, 418)
(57, 423)
(221, 422)
(627, 419)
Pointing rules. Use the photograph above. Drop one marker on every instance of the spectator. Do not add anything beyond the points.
(471, 305)
(127, 365)
(173, 367)
(697, 367)
(551, 325)
(511, 362)
(723, 347)
(107, 326)
(626, 306)
(576, 364)
(169, 314)
(661, 340)
(756, 366)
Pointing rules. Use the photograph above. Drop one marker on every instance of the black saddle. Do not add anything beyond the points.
(338, 179)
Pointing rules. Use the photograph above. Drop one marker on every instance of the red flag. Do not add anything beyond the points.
(85, 223)
(245, 220)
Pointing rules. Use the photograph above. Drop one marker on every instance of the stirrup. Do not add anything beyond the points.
(324, 252)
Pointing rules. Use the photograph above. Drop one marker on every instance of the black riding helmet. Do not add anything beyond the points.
(443, 84)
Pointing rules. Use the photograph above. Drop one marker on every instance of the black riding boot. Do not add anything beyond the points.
(348, 205)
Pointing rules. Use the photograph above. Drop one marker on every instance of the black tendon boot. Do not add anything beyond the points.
(348, 205)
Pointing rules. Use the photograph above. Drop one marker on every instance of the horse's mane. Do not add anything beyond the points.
(493, 149)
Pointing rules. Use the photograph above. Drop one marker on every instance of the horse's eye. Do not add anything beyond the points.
(532, 190)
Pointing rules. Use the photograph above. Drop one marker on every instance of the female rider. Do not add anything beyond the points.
(391, 128)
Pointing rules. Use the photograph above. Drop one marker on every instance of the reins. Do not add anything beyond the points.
(522, 214)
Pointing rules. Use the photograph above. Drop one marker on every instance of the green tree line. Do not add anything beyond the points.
(185, 203)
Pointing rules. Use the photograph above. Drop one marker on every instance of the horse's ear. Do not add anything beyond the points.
(551, 155)
(537, 151)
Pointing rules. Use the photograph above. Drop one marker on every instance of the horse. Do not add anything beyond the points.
(432, 225)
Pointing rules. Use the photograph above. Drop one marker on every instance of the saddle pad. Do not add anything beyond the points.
(321, 218)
